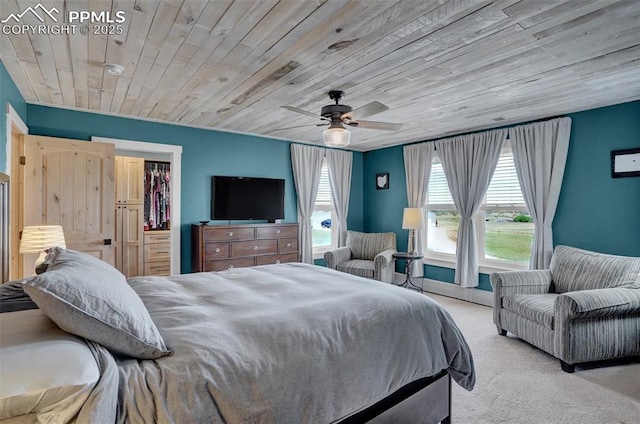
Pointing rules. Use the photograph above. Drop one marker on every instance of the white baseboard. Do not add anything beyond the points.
(481, 297)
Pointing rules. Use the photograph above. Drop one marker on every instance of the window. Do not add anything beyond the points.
(442, 218)
(505, 229)
(323, 215)
(508, 229)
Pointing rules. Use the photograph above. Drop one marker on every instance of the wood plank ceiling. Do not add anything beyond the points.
(442, 66)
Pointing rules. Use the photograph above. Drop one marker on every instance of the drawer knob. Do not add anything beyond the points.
(278, 261)
(217, 250)
(230, 233)
(288, 244)
(255, 247)
(278, 232)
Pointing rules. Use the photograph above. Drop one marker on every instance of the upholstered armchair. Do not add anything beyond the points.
(368, 255)
(585, 308)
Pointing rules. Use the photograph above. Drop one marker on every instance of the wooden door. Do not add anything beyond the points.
(129, 180)
(71, 183)
(128, 244)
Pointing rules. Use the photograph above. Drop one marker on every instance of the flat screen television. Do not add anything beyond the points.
(242, 198)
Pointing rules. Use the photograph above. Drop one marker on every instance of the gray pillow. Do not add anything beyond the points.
(88, 297)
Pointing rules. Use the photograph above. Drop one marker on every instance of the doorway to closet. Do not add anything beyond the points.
(150, 228)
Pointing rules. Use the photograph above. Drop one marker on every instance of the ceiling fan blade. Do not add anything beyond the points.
(302, 126)
(366, 110)
(303, 112)
(375, 125)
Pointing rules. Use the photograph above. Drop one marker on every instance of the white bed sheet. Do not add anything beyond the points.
(46, 373)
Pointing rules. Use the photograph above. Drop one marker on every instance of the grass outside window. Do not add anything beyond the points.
(506, 238)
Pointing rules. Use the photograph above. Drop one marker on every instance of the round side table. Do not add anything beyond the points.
(408, 258)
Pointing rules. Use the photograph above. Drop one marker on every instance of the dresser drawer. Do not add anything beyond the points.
(276, 259)
(157, 268)
(222, 234)
(253, 247)
(228, 264)
(287, 245)
(157, 237)
(277, 231)
(155, 252)
(216, 251)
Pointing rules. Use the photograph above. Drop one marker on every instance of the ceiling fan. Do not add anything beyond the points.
(337, 115)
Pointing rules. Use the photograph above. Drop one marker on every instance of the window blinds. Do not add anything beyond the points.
(504, 189)
(324, 189)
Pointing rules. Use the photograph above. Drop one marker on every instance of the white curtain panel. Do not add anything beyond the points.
(468, 163)
(306, 162)
(540, 154)
(340, 164)
(418, 159)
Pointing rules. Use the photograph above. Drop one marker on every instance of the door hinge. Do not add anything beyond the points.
(23, 160)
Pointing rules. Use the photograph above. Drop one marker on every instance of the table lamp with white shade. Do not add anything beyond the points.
(38, 238)
(412, 220)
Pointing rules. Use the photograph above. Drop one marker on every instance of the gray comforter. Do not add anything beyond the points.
(287, 343)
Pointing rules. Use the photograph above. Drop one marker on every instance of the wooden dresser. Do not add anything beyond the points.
(219, 247)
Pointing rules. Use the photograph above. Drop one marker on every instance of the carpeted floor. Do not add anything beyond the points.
(517, 383)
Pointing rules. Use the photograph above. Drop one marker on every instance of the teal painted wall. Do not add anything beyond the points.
(595, 211)
(205, 153)
(8, 94)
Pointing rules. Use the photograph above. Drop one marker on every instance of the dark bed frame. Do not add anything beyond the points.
(423, 401)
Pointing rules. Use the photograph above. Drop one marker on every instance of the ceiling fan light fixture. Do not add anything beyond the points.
(336, 136)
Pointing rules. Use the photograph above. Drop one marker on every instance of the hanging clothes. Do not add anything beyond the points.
(157, 194)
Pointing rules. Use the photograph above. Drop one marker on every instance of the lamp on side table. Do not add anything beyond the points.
(412, 220)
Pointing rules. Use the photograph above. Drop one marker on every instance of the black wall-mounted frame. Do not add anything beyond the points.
(382, 181)
(625, 163)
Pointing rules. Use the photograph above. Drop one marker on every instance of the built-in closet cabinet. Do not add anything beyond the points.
(129, 180)
(129, 217)
(142, 242)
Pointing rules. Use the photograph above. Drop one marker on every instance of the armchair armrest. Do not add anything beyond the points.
(598, 303)
(521, 282)
(588, 327)
(337, 256)
(384, 266)
(385, 257)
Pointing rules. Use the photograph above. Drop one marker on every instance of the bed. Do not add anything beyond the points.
(286, 343)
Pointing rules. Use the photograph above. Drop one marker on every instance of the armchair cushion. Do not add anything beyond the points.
(357, 267)
(536, 307)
